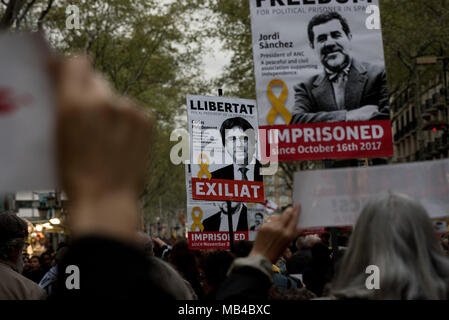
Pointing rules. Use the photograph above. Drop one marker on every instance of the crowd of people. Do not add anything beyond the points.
(103, 147)
(304, 271)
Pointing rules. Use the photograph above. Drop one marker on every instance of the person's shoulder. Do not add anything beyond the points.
(309, 82)
(22, 286)
(225, 168)
(223, 173)
(167, 281)
(370, 68)
(325, 298)
(212, 217)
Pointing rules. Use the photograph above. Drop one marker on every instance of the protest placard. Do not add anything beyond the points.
(335, 197)
(320, 79)
(207, 221)
(27, 114)
(224, 149)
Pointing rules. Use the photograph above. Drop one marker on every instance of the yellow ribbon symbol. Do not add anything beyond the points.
(197, 219)
(278, 103)
(204, 166)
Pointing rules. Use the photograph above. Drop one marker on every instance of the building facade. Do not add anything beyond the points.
(420, 122)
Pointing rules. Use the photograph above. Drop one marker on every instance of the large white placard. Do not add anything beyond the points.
(26, 115)
(207, 222)
(335, 197)
(320, 71)
(224, 149)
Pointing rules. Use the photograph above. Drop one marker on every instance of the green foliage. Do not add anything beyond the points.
(148, 51)
(233, 27)
(166, 182)
(413, 28)
(136, 44)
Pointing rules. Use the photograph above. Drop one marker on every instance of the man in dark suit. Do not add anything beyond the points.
(219, 221)
(238, 138)
(347, 90)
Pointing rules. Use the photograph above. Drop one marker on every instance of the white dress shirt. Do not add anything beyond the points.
(224, 226)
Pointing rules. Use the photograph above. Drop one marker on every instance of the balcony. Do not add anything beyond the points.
(394, 107)
(430, 107)
(443, 92)
(424, 113)
(437, 143)
(431, 149)
(434, 124)
(408, 127)
(438, 100)
(413, 124)
(442, 143)
(418, 155)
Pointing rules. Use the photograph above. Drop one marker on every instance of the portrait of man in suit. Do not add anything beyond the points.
(347, 89)
(238, 138)
(257, 222)
(219, 221)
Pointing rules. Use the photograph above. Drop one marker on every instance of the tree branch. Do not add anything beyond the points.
(404, 62)
(24, 13)
(12, 11)
(140, 70)
(43, 14)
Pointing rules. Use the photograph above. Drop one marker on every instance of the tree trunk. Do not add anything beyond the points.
(11, 13)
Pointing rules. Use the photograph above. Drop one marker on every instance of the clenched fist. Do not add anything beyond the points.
(103, 142)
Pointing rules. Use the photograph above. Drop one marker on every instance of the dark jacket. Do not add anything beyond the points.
(14, 286)
(128, 277)
(227, 173)
(315, 101)
(299, 261)
(213, 222)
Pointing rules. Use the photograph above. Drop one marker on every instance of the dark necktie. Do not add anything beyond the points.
(244, 171)
(339, 80)
(339, 87)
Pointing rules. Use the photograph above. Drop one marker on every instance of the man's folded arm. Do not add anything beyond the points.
(323, 116)
(304, 109)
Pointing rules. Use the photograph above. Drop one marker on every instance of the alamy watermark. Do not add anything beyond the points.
(373, 280)
(231, 148)
(73, 17)
(72, 281)
(373, 20)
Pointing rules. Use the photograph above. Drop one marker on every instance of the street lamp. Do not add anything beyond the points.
(55, 221)
(47, 226)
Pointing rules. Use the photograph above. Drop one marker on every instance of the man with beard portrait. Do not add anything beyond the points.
(348, 89)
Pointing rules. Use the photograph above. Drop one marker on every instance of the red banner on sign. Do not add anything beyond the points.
(213, 240)
(314, 141)
(227, 190)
